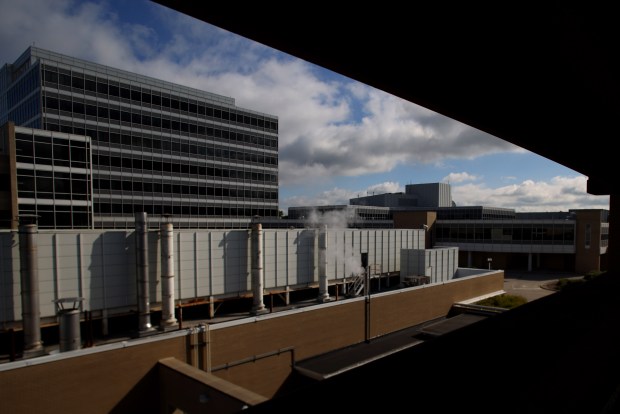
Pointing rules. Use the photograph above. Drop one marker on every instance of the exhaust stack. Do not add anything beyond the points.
(142, 275)
(257, 267)
(323, 282)
(168, 321)
(29, 273)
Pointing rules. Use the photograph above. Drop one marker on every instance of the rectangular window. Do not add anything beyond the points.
(102, 87)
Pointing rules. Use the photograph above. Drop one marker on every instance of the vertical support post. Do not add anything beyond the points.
(168, 321)
(142, 274)
(257, 268)
(29, 272)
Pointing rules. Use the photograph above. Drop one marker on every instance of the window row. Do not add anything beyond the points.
(22, 88)
(25, 111)
(518, 234)
(172, 189)
(52, 185)
(145, 96)
(474, 214)
(156, 167)
(37, 149)
(185, 210)
(58, 216)
(175, 146)
(143, 119)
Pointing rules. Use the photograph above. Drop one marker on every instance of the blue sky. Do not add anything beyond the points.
(339, 139)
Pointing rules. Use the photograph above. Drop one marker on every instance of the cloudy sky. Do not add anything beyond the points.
(339, 139)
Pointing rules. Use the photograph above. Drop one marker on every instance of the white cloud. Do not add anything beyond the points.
(319, 137)
(529, 195)
(330, 126)
(87, 30)
(386, 187)
(459, 177)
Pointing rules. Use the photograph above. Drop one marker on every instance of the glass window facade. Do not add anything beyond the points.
(158, 147)
(506, 232)
(54, 178)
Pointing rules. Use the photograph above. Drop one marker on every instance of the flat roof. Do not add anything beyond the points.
(333, 363)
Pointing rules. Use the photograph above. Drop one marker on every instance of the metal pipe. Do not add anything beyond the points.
(168, 320)
(29, 272)
(142, 273)
(257, 268)
(323, 282)
(258, 357)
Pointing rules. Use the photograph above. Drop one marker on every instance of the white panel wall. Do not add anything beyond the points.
(439, 264)
(305, 249)
(100, 265)
(290, 257)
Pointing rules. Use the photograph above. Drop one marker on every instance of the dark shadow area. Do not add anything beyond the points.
(304, 254)
(7, 289)
(557, 354)
(235, 264)
(536, 75)
(295, 382)
(143, 397)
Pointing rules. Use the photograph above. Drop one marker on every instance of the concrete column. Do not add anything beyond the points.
(142, 274)
(323, 282)
(529, 262)
(168, 321)
(29, 272)
(257, 269)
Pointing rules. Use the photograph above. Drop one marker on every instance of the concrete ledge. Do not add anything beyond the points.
(192, 390)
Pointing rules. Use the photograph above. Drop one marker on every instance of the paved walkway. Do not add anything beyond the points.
(531, 285)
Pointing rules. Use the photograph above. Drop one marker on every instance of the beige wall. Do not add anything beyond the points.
(120, 380)
(123, 380)
(332, 327)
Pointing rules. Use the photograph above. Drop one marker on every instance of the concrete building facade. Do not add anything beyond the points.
(415, 195)
(155, 147)
(572, 241)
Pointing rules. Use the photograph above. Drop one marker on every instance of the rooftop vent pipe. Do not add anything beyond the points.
(69, 323)
(168, 321)
(323, 282)
(142, 274)
(29, 273)
(257, 267)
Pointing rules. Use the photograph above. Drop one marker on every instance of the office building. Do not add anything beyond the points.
(341, 216)
(572, 241)
(415, 195)
(174, 152)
